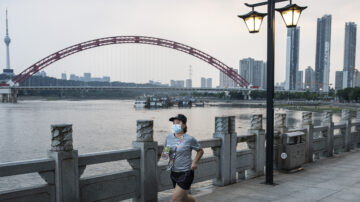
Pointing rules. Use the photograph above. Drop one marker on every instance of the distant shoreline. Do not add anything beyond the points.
(291, 105)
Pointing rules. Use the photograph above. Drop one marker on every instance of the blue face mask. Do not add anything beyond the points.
(176, 128)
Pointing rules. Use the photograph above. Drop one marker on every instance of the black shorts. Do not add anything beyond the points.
(182, 179)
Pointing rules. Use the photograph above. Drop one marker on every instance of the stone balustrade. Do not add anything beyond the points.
(63, 168)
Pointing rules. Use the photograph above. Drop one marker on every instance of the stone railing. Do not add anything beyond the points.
(63, 168)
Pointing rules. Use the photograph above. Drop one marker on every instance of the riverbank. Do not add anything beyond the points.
(315, 106)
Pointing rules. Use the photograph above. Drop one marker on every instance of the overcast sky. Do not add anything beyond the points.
(40, 27)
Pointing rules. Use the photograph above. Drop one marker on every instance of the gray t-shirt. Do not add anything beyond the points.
(183, 152)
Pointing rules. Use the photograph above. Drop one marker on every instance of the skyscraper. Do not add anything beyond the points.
(203, 82)
(357, 78)
(258, 70)
(188, 83)
(292, 57)
(87, 76)
(246, 69)
(227, 82)
(263, 76)
(309, 79)
(349, 54)
(209, 83)
(322, 58)
(338, 80)
(254, 71)
(172, 83)
(299, 81)
(7, 41)
(180, 83)
(63, 76)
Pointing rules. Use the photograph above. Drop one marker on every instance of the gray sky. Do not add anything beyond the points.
(41, 27)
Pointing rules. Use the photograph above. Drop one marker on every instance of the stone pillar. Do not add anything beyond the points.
(346, 118)
(327, 121)
(308, 124)
(280, 122)
(148, 185)
(357, 128)
(224, 152)
(279, 128)
(66, 163)
(258, 145)
(233, 145)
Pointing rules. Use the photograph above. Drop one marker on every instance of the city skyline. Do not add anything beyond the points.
(225, 46)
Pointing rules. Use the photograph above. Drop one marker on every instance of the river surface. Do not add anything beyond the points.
(101, 125)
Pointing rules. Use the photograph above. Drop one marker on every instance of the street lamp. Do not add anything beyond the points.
(253, 20)
(291, 14)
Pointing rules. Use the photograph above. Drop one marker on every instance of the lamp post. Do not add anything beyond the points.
(290, 14)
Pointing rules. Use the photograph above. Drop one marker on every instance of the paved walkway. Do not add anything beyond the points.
(332, 179)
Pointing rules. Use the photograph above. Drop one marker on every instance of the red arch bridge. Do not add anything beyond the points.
(43, 63)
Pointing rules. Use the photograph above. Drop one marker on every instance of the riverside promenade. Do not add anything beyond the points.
(316, 163)
(328, 180)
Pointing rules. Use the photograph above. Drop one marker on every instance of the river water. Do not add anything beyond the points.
(101, 125)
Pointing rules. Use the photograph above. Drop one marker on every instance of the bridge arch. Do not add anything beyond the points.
(41, 64)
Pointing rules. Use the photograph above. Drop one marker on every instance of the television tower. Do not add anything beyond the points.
(7, 41)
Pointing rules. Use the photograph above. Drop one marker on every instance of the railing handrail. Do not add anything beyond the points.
(355, 123)
(339, 125)
(244, 138)
(320, 128)
(108, 156)
(27, 166)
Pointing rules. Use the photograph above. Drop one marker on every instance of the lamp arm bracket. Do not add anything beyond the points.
(263, 3)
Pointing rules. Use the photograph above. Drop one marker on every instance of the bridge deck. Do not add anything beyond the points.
(331, 179)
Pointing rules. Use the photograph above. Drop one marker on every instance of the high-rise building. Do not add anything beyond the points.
(209, 83)
(257, 70)
(7, 40)
(322, 58)
(188, 83)
(309, 79)
(227, 82)
(264, 76)
(106, 78)
(357, 78)
(292, 58)
(42, 74)
(87, 76)
(180, 83)
(172, 83)
(63, 76)
(254, 71)
(349, 55)
(203, 82)
(73, 77)
(299, 81)
(338, 80)
(246, 69)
